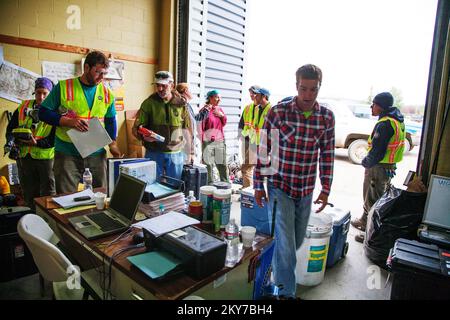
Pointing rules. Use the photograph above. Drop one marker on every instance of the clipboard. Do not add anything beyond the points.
(90, 141)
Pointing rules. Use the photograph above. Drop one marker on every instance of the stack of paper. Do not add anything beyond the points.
(173, 202)
(68, 201)
(166, 223)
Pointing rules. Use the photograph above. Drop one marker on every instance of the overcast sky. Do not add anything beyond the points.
(358, 44)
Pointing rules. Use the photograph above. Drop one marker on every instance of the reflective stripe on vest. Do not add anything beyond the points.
(73, 98)
(396, 145)
(42, 130)
(252, 126)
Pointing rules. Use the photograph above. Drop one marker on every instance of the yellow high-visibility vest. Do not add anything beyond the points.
(253, 125)
(73, 98)
(396, 146)
(41, 131)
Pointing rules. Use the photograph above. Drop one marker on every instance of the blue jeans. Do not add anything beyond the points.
(291, 220)
(170, 164)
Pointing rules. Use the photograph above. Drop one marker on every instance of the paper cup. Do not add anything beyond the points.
(100, 198)
(248, 235)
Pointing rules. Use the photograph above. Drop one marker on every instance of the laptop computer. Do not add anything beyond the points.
(118, 216)
(435, 226)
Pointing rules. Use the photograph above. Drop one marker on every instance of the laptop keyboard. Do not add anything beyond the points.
(105, 222)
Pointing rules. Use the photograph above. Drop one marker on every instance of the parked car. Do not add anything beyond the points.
(352, 132)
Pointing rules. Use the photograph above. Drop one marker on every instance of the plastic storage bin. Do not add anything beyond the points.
(338, 241)
(252, 214)
(312, 255)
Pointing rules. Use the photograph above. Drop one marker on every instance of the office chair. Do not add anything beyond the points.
(52, 263)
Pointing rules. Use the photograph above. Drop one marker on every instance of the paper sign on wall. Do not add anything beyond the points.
(57, 71)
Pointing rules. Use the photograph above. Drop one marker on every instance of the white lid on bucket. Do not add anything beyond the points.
(222, 193)
(208, 190)
(249, 191)
(319, 225)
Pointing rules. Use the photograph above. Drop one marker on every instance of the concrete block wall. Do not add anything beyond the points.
(128, 27)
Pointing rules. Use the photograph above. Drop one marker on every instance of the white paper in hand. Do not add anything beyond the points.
(90, 141)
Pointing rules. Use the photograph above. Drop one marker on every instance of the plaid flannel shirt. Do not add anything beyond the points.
(293, 169)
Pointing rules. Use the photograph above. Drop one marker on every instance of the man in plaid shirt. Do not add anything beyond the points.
(294, 134)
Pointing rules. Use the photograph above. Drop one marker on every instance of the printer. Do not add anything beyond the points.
(200, 252)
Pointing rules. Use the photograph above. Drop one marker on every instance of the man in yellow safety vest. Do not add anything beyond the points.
(386, 146)
(70, 105)
(35, 140)
(250, 124)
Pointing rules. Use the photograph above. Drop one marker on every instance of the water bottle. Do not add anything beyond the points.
(232, 238)
(188, 200)
(87, 179)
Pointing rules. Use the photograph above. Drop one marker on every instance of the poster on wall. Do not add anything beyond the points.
(16, 83)
(57, 71)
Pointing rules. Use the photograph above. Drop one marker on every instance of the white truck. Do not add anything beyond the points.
(352, 132)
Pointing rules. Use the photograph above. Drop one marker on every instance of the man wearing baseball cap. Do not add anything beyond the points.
(165, 113)
(35, 158)
(386, 146)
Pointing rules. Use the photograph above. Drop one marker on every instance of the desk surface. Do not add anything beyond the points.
(176, 288)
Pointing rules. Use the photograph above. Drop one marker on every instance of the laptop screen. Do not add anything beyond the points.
(127, 195)
(437, 206)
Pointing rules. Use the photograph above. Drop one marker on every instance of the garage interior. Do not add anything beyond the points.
(150, 35)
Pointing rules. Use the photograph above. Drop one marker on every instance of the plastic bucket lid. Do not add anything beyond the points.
(320, 225)
(208, 190)
(222, 185)
(222, 193)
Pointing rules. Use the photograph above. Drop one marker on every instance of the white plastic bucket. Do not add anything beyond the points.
(206, 197)
(312, 255)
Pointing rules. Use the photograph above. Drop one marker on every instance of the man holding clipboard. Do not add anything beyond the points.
(70, 105)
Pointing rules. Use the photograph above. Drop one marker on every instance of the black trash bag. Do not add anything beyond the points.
(397, 214)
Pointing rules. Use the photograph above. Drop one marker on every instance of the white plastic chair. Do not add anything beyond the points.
(52, 263)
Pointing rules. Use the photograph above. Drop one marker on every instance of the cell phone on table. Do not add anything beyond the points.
(83, 198)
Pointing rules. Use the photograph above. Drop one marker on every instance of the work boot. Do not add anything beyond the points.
(359, 224)
(360, 237)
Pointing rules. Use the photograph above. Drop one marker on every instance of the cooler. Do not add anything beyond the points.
(421, 271)
(252, 214)
(338, 243)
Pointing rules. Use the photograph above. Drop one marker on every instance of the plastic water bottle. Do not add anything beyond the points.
(188, 200)
(87, 179)
(232, 238)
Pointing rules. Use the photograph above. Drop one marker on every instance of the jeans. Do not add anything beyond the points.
(170, 164)
(291, 220)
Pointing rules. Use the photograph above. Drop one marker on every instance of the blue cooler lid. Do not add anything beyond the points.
(339, 216)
